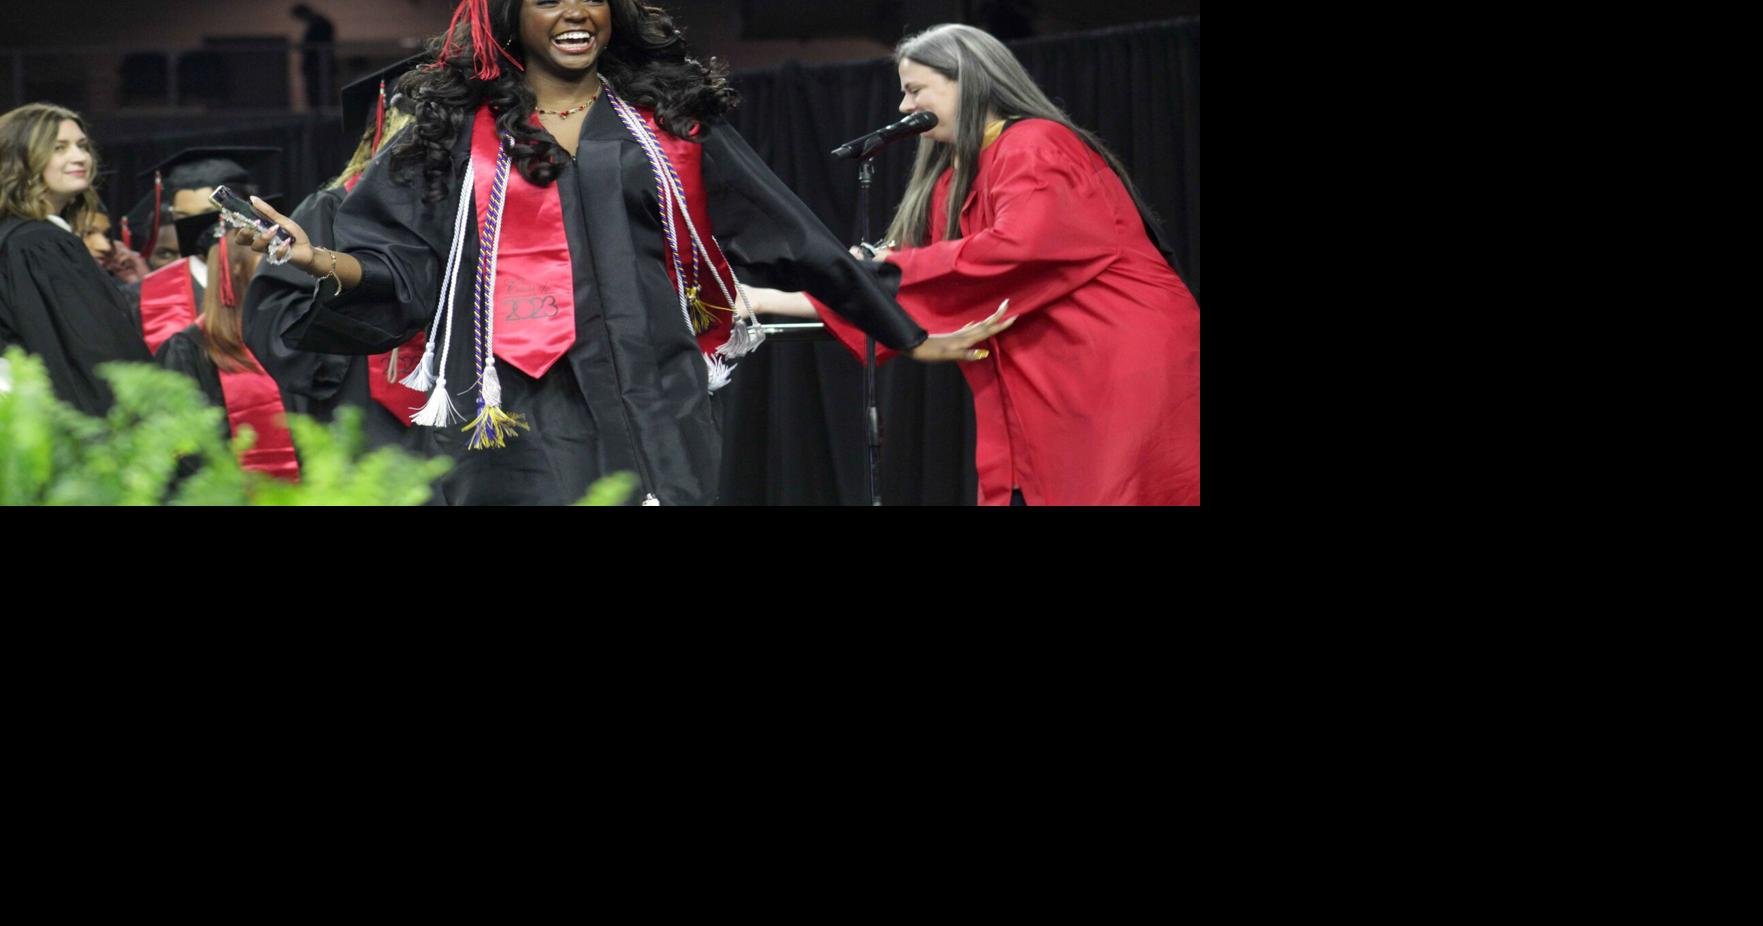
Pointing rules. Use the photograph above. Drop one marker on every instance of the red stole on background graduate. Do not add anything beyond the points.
(168, 302)
(253, 398)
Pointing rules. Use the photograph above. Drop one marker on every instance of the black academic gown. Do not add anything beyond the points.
(632, 393)
(187, 353)
(276, 310)
(57, 303)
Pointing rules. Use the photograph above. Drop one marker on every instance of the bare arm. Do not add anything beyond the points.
(320, 263)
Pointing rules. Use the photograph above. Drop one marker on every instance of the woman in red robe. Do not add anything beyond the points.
(1092, 397)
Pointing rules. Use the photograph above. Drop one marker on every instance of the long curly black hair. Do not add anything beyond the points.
(648, 61)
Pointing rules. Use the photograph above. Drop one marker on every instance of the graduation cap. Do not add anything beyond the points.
(198, 233)
(232, 165)
(195, 169)
(366, 101)
(136, 228)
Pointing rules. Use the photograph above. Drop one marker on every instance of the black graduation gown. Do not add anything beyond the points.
(632, 393)
(187, 353)
(57, 303)
(277, 307)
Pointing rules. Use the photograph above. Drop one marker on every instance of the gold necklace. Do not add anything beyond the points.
(566, 113)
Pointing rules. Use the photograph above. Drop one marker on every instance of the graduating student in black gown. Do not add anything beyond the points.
(590, 106)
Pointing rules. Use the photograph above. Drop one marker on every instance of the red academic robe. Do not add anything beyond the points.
(1093, 396)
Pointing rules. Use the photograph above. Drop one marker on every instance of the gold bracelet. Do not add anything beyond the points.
(332, 275)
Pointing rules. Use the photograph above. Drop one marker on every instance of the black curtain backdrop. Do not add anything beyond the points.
(313, 151)
(792, 416)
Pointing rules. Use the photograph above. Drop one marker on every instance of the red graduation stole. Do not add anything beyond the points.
(533, 279)
(384, 372)
(534, 289)
(253, 398)
(168, 302)
(688, 159)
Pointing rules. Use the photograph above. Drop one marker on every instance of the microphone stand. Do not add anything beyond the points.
(872, 145)
(872, 413)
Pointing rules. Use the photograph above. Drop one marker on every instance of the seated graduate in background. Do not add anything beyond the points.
(123, 264)
(181, 185)
(211, 350)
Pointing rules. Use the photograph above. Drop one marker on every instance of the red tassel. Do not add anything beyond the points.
(379, 118)
(128, 240)
(229, 295)
(158, 204)
(483, 40)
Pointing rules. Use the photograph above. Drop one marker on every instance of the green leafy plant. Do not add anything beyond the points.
(162, 444)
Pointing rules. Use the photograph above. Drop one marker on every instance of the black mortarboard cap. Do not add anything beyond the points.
(361, 98)
(229, 165)
(140, 223)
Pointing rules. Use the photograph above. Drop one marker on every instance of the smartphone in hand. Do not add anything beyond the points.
(241, 209)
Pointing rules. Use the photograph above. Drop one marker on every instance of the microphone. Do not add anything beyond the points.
(914, 124)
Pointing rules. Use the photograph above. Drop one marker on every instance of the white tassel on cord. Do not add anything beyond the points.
(672, 197)
(719, 371)
(438, 411)
(743, 338)
(492, 383)
(745, 335)
(423, 377)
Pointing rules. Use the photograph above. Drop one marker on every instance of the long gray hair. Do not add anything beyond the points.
(991, 81)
